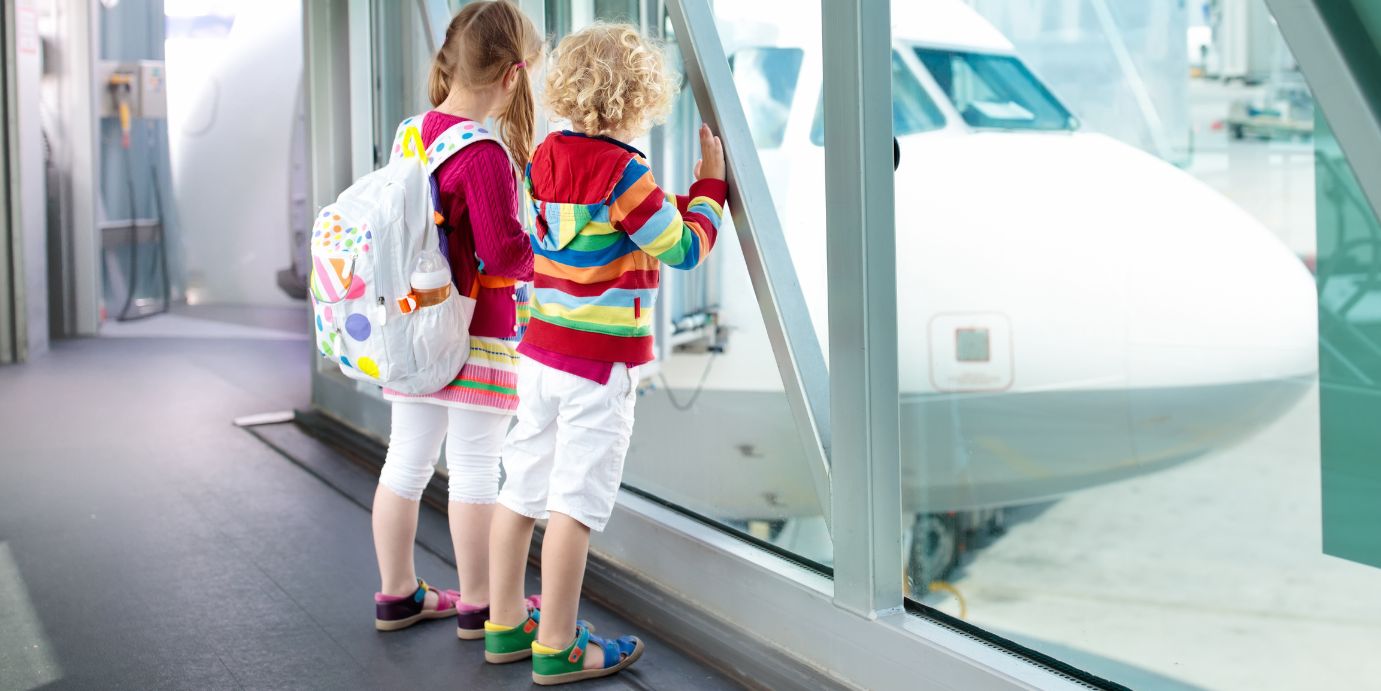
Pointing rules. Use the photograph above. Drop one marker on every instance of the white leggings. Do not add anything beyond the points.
(474, 443)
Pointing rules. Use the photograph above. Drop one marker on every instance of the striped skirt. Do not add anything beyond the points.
(488, 381)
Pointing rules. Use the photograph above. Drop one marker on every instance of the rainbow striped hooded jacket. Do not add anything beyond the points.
(601, 228)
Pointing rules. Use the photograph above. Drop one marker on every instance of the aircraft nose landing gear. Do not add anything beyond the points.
(934, 550)
(936, 541)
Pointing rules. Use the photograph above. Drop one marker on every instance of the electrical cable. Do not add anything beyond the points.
(946, 587)
(162, 227)
(699, 387)
(133, 240)
(161, 238)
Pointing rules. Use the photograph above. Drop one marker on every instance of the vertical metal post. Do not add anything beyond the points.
(26, 206)
(340, 149)
(326, 66)
(361, 88)
(799, 357)
(80, 94)
(9, 343)
(389, 40)
(861, 246)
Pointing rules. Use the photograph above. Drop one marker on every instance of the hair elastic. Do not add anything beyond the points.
(520, 64)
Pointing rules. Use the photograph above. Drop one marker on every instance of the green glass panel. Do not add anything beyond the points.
(1349, 277)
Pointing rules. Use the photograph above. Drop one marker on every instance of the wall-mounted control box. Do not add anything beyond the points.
(148, 88)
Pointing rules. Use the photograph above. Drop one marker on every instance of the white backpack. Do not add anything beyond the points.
(363, 248)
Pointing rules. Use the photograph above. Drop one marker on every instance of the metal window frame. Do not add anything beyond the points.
(79, 28)
(800, 360)
(326, 84)
(851, 628)
(361, 77)
(388, 26)
(861, 251)
(10, 346)
(763, 599)
(1347, 101)
(340, 133)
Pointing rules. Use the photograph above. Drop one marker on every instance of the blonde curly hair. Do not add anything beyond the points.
(609, 78)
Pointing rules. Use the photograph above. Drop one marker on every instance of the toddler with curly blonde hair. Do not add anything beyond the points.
(601, 230)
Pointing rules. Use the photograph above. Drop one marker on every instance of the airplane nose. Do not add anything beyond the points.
(1222, 327)
(1214, 298)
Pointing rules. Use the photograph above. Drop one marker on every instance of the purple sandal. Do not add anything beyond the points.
(394, 612)
(470, 618)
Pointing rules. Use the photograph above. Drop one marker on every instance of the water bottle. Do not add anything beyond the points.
(431, 279)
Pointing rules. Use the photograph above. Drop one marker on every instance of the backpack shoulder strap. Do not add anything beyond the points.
(455, 138)
(412, 122)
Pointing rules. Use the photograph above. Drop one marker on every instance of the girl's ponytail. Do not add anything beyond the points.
(483, 42)
(516, 124)
(439, 78)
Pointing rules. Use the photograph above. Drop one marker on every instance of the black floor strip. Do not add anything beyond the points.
(355, 480)
(366, 456)
(1034, 656)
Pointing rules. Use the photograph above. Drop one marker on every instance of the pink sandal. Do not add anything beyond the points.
(394, 612)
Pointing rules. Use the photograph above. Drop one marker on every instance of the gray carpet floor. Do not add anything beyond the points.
(146, 543)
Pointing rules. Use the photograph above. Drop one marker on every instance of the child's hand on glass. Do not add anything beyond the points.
(711, 163)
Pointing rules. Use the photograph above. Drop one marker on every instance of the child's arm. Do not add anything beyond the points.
(678, 233)
(501, 243)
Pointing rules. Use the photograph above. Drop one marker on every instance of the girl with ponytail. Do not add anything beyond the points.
(480, 73)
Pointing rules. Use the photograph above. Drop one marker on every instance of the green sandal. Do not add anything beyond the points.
(551, 667)
(505, 644)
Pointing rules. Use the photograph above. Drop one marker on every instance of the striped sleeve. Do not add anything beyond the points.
(679, 235)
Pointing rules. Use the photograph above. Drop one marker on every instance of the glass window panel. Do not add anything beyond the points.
(766, 80)
(713, 407)
(1350, 325)
(402, 53)
(1350, 358)
(715, 434)
(1109, 353)
(617, 10)
(1128, 83)
(994, 91)
(913, 110)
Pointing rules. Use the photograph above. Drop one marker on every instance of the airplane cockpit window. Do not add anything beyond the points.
(766, 78)
(912, 108)
(995, 91)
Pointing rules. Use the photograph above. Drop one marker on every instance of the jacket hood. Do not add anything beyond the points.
(569, 182)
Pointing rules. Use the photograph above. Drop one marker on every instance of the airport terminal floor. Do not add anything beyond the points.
(200, 555)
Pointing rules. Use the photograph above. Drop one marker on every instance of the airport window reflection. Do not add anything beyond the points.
(913, 110)
(565, 16)
(994, 91)
(1109, 338)
(736, 458)
(766, 80)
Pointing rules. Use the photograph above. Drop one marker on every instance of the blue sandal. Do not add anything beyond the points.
(551, 667)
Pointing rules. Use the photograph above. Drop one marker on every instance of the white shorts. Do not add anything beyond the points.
(566, 451)
(474, 441)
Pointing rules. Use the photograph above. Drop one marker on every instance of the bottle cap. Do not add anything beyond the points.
(430, 280)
